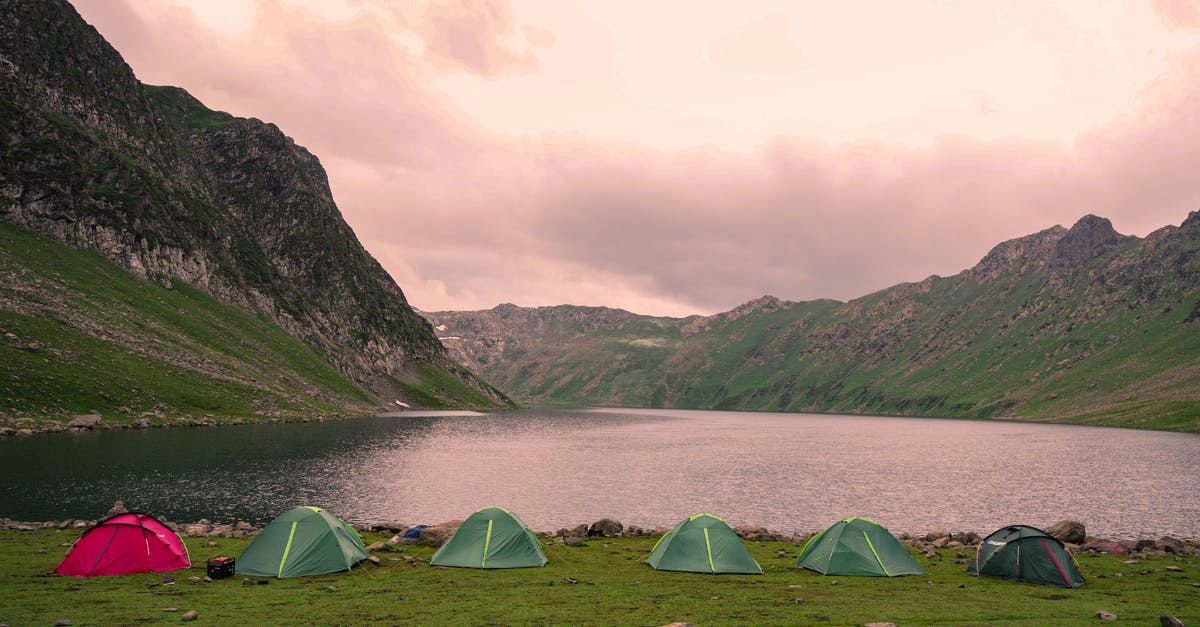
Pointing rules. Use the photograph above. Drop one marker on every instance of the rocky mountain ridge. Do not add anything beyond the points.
(1081, 324)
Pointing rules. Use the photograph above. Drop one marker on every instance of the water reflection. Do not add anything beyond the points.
(560, 467)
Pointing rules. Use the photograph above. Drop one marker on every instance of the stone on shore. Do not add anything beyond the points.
(756, 534)
(117, 509)
(1167, 544)
(606, 528)
(437, 535)
(84, 421)
(1071, 531)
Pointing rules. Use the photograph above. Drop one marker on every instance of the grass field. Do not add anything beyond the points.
(604, 583)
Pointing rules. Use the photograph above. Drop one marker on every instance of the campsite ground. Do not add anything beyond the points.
(603, 583)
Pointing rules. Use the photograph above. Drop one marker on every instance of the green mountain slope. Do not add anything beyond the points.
(1078, 325)
(179, 195)
(82, 335)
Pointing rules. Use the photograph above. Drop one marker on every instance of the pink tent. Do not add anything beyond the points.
(126, 543)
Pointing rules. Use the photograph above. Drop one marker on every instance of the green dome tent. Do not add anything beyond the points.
(302, 541)
(492, 537)
(1023, 553)
(858, 546)
(702, 544)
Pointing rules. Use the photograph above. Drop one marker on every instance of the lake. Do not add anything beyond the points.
(561, 467)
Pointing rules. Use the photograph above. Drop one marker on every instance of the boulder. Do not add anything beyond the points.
(4, 431)
(1103, 546)
(756, 534)
(574, 541)
(605, 528)
(1167, 544)
(437, 535)
(117, 509)
(140, 423)
(84, 421)
(1071, 531)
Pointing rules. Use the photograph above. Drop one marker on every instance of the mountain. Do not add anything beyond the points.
(1072, 325)
(213, 237)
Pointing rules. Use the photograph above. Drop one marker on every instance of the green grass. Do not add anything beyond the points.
(614, 587)
(89, 336)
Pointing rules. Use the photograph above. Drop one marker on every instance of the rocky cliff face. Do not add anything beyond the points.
(1079, 324)
(158, 183)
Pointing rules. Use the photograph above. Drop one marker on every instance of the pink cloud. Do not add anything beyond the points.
(465, 218)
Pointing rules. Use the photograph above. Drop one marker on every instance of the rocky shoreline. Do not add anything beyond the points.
(25, 426)
(1071, 533)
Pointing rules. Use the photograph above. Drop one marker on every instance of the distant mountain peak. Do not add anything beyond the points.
(1089, 238)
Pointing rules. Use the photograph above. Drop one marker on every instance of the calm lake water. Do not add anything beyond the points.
(561, 467)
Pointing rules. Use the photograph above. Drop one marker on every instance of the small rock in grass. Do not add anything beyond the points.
(170, 609)
(63, 623)
(375, 546)
(834, 582)
(798, 600)
(962, 585)
(1103, 615)
(678, 625)
(247, 582)
(332, 588)
(570, 580)
(207, 579)
(1175, 569)
(880, 624)
(189, 615)
(374, 560)
(168, 579)
(263, 582)
(1131, 562)
(781, 553)
(211, 543)
(194, 579)
(1170, 621)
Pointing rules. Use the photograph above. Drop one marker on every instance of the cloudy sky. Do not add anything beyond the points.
(679, 157)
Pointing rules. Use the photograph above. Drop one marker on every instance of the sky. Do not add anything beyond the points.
(675, 158)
